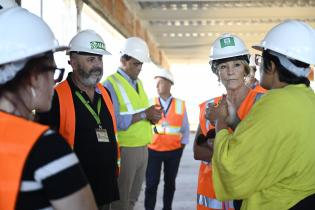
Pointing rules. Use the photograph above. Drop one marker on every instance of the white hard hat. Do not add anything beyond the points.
(6, 4)
(292, 38)
(24, 35)
(164, 74)
(227, 46)
(136, 48)
(88, 41)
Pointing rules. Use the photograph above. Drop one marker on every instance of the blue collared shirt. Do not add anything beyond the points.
(185, 126)
(123, 121)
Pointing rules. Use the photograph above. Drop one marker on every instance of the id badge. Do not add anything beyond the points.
(102, 135)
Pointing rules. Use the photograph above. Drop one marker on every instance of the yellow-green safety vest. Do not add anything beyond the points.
(131, 102)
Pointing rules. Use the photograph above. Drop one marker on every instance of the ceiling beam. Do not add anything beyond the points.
(186, 42)
(232, 13)
(261, 28)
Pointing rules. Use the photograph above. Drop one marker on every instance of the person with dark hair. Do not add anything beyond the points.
(38, 168)
(269, 160)
(83, 113)
(134, 119)
(229, 59)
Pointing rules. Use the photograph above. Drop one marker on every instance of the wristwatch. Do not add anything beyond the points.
(143, 115)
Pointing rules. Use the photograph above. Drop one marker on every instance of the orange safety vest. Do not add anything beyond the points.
(67, 113)
(17, 137)
(205, 191)
(260, 89)
(168, 127)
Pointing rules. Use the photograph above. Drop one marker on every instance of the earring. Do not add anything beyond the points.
(219, 81)
(33, 92)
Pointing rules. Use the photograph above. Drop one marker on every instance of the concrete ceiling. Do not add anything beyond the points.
(184, 30)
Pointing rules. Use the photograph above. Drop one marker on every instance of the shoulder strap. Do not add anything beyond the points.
(110, 107)
(108, 103)
(179, 106)
(67, 112)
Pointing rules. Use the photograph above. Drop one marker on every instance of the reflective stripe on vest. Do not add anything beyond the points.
(179, 106)
(228, 205)
(67, 113)
(125, 97)
(139, 133)
(13, 154)
(169, 130)
(167, 135)
(209, 202)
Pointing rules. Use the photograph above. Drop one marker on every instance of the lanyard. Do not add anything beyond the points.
(91, 110)
(167, 108)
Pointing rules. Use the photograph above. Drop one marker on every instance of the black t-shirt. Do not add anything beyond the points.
(98, 159)
(51, 171)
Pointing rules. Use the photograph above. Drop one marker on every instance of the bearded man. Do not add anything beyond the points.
(82, 112)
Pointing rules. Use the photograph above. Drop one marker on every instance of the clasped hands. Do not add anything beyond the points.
(223, 114)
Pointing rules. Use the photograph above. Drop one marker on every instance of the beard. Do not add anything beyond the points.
(92, 77)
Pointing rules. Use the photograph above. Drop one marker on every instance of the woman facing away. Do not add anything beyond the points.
(38, 168)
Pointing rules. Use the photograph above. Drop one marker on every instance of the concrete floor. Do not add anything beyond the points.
(186, 183)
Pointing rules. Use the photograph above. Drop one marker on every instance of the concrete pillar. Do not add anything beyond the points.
(79, 5)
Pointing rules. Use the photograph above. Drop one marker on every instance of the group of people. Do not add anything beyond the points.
(91, 145)
(256, 143)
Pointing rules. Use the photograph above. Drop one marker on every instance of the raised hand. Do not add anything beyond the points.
(154, 113)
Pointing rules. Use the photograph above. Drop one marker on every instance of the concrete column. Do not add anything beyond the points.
(79, 5)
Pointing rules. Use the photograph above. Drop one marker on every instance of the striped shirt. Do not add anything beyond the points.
(52, 171)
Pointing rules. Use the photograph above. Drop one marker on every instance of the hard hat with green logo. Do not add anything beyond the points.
(227, 46)
(136, 48)
(292, 38)
(88, 41)
(164, 74)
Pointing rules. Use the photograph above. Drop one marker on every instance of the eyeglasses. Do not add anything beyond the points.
(58, 72)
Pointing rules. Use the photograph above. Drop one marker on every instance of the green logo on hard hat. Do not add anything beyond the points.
(97, 45)
(228, 41)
